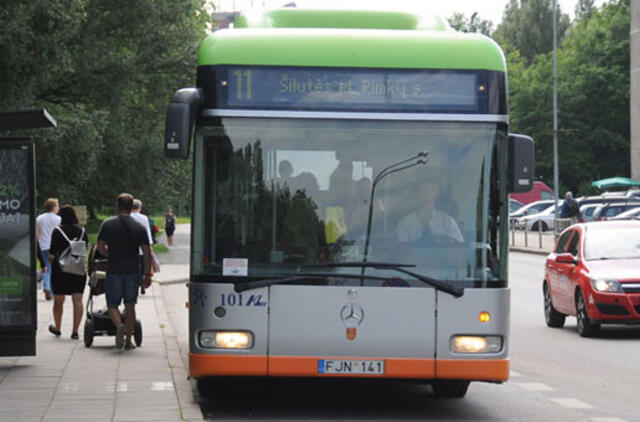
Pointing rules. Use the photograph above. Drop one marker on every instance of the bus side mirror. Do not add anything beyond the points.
(181, 115)
(521, 163)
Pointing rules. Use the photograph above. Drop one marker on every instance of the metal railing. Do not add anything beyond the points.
(538, 239)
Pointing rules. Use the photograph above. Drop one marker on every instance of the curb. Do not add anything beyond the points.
(528, 250)
(189, 409)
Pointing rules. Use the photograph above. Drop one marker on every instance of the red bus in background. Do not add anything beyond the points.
(540, 191)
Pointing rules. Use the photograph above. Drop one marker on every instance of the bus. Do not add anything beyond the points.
(351, 172)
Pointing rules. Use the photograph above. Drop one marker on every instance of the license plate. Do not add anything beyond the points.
(350, 367)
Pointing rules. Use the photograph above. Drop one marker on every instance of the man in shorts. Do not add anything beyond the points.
(119, 239)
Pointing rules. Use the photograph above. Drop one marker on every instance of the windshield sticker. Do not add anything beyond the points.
(199, 297)
(235, 267)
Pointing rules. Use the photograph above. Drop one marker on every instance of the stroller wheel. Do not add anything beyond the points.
(89, 330)
(137, 333)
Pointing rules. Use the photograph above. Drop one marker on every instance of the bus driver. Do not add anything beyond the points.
(426, 221)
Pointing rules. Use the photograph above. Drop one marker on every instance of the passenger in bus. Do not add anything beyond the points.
(304, 182)
(425, 222)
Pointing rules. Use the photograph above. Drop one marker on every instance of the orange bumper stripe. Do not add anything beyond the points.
(477, 369)
(307, 366)
(225, 365)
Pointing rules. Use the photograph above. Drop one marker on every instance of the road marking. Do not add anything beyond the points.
(534, 386)
(122, 387)
(514, 374)
(608, 419)
(572, 403)
(162, 386)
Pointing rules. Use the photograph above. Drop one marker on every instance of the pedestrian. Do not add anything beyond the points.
(65, 283)
(119, 239)
(144, 221)
(45, 223)
(570, 208)
(169, 226)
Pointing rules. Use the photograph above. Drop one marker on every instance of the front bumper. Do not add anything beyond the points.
(614, 308)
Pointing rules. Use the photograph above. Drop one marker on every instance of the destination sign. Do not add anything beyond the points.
(389, 90)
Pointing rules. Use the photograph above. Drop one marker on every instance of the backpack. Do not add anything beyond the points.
(72, 259)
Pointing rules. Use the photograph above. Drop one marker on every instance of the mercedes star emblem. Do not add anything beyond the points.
(352, 314)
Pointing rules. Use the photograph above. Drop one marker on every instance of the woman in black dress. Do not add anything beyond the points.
(64, 283)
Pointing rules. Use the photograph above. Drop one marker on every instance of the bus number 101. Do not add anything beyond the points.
(243, 84)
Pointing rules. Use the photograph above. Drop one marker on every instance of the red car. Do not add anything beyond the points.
(594, 274)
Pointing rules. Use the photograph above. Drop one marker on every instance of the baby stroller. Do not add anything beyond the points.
(98, 323)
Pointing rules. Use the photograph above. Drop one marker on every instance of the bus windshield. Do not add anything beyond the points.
(284, 194)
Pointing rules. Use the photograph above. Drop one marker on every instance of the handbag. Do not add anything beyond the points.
(72, 259)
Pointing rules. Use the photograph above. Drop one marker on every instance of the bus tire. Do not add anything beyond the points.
(586, 328)
(553, 318)
(450, 389)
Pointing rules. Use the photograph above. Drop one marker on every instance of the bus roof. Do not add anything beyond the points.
(343, 38)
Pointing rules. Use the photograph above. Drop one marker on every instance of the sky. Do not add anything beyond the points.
(487, 9)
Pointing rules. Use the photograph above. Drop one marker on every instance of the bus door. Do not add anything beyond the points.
(351, 331)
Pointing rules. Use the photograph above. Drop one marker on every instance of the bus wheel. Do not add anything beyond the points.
(586, 328)
(552, 317)
(451, 389)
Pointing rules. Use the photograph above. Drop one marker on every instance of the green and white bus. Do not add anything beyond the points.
(350, 211)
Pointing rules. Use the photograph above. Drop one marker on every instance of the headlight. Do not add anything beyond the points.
(226, 339)
(602, 285)
(476, 344)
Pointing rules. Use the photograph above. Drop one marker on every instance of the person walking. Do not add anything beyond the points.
(570, 208)
(64, 283)
(169, 226)
(45, 223)
(119, 239)
(144, 221)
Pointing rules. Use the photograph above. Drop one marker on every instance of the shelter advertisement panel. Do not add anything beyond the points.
(17, 253)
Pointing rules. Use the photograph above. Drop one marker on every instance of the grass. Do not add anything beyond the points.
(93, 225)
(160, 248)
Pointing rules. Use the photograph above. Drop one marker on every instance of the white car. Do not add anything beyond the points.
(542, 220)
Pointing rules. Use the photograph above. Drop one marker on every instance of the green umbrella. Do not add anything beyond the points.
(615, 182)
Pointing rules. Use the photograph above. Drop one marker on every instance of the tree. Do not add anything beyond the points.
(593, 99)
(460, 22)
(527, 25)
(105, 69)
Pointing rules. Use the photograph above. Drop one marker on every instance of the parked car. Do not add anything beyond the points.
(632, 214)
(540, 191)
(586, 212)
(604, 199)
(514, 205)
(532, 208)
(606, 211)
(541, 221)
(593, 274)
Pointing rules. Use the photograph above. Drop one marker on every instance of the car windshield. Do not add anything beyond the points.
(286, 193)
(612, 243)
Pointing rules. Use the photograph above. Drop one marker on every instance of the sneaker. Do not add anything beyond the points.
(75, 336)
(47, 294)
(129, 346)
(52, 330)
(120, 336)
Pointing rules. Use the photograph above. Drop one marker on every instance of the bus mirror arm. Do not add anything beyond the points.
(183, 109)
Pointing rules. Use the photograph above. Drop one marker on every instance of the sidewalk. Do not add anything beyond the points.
(67, 381)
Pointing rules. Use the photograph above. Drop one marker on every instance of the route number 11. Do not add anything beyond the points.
(243, 84)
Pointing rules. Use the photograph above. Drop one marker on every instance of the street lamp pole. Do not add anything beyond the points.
(555, 122)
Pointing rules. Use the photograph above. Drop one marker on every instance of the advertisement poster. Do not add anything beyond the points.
(16, 284)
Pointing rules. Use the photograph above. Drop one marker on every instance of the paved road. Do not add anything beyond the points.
(556, 376)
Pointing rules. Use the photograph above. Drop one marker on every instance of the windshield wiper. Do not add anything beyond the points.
(440, 285)
(295, 277)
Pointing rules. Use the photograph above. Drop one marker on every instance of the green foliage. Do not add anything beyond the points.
(105, 69)
(527, 26)
(460, 22)
(593, 98)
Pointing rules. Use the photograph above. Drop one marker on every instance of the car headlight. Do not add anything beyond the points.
(226, 339)
(476, 344)
(609, 286)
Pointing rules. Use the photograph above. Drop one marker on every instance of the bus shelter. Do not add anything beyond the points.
(18, 311)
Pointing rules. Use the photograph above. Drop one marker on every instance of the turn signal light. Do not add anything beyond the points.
(484, 317)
